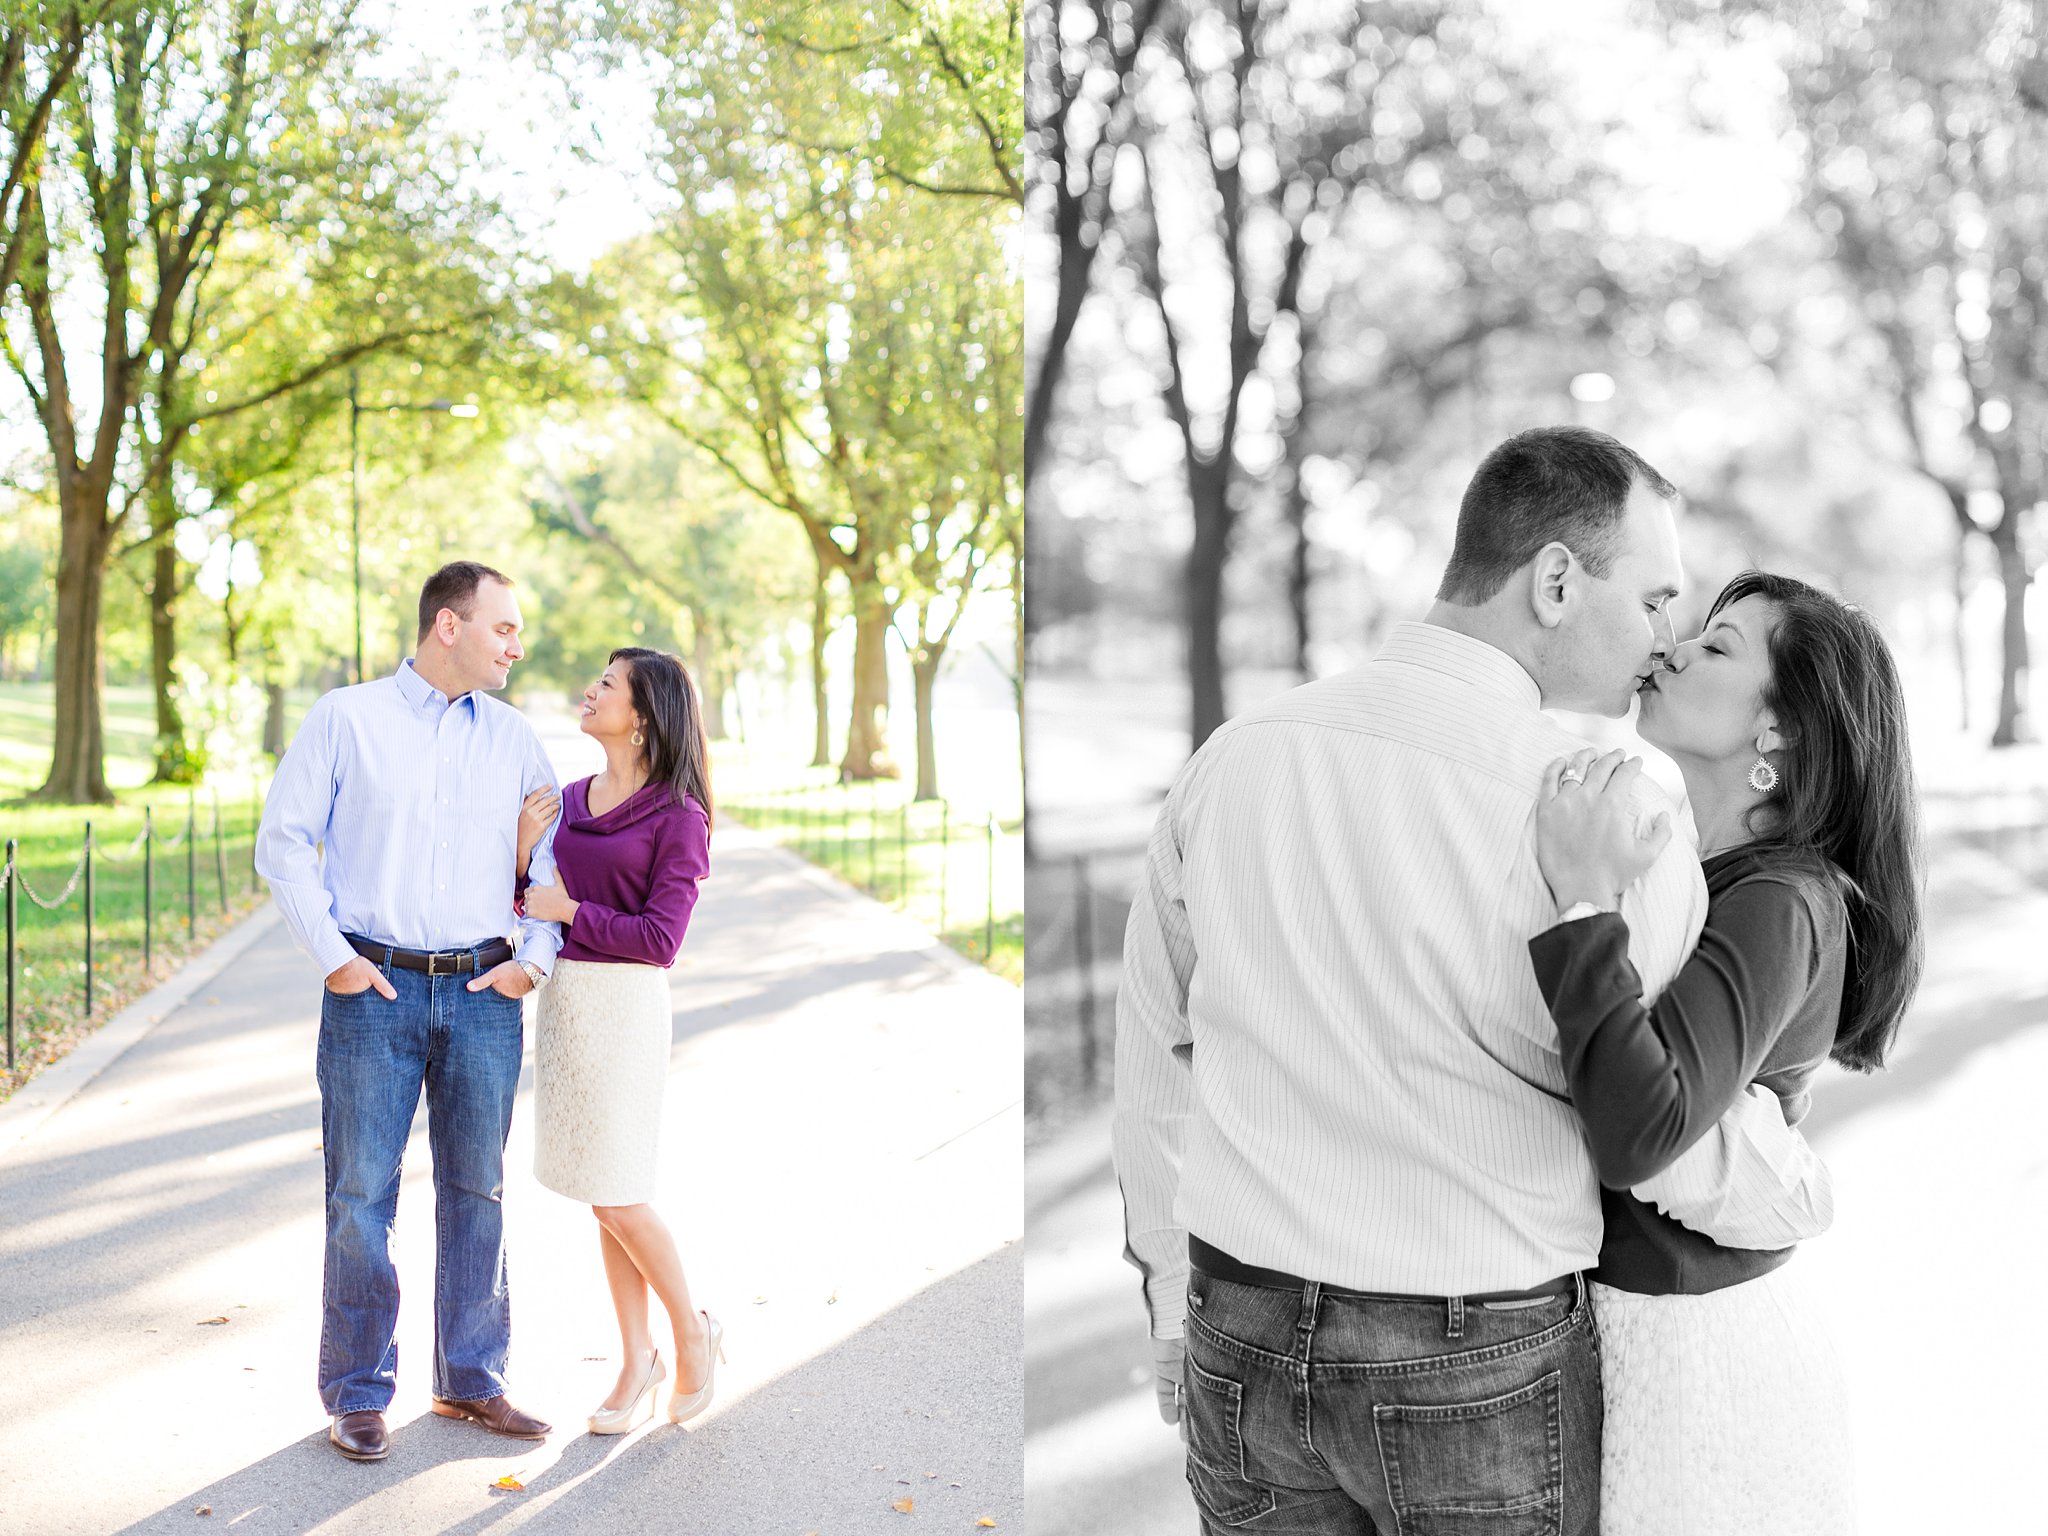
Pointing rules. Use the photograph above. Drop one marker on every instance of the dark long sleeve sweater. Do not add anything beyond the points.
(1758, 1001)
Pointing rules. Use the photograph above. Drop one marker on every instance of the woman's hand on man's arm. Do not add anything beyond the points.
(536, 814)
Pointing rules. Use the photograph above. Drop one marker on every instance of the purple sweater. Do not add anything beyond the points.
(634, 870)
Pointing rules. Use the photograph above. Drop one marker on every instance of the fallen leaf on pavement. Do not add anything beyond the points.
(901, 1506)
(508, 1481)
(986, 1522)
(204, 1509)
(209, 1322)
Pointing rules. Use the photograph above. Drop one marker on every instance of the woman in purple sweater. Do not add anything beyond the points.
(630, 845)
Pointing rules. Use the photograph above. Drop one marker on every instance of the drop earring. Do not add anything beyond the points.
(1763, 778)
(639, 742)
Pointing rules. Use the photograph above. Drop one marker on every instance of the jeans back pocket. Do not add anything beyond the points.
(1488, 1468)
(1216, 1459)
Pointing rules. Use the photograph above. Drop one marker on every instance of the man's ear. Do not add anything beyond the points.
(445, 623)
(1550, 575)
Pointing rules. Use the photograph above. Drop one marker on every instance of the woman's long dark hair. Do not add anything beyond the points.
(1846, 792)
(667, 703)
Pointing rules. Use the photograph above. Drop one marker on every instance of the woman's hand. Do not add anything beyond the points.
(537, 812)
(1587, 840)
(550, 904)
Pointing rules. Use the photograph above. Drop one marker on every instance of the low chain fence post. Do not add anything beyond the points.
(13, 880)
(148, 883)
(988, 932)
(220, 858)
(88, 919)
(191, 872)
(945, 856)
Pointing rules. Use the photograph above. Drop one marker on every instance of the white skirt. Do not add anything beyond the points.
(600, 1064)
(1726, 1413)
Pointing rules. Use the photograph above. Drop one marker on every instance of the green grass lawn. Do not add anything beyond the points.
(148, 913)
(936, 862)
(199, 883)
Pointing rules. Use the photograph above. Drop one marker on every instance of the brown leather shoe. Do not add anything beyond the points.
(497, 1415)
(360, 1435)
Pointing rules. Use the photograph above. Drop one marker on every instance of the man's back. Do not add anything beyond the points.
(1344, 883)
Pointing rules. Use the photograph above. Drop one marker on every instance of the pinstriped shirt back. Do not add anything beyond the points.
(1332, 1055)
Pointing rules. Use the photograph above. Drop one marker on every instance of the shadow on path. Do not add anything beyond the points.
(829, 1445)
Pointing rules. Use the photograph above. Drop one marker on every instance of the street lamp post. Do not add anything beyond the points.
(355, 485)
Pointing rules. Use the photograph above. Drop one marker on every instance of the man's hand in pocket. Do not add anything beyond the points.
(359, 975)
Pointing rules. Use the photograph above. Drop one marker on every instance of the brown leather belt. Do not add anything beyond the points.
(437, 962)
(1218, 1265)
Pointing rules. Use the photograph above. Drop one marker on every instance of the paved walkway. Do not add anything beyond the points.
(1935, 1265)
(843, 1149)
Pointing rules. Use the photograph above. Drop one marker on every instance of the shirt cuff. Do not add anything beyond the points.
(331, 952)
(540, 949)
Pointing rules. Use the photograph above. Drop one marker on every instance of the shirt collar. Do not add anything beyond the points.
(421, 694)
(1486, 667)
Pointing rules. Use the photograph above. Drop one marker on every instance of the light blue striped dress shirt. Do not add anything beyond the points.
(416, 802)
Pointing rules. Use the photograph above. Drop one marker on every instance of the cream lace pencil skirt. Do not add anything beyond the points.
(600, 1063)
(1726, 1414)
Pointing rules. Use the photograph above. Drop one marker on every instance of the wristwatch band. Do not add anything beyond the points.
(534, 973)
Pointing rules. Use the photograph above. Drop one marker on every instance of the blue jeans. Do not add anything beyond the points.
(1315, 1415)
(374, 1059)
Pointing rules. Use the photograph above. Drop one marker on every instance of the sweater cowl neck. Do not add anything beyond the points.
(648, 800)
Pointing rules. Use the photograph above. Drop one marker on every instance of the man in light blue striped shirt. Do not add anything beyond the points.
(411, 787)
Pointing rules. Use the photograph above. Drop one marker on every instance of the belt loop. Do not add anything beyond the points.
(1578, 1290)
(1454, 1317)
(1305, 1325)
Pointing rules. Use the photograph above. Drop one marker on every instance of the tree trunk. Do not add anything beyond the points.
(710, 681)
(78, 773)
(174, 763)
(924, 676)
(1298, 566)
(1209, 485)
(1959, 574)
(1077, 257)
(2014, 726)
(867, 735)
(273, 720)
(821, 628)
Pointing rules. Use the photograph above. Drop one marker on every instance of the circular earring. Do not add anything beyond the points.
(638, 741)
(1763, 778)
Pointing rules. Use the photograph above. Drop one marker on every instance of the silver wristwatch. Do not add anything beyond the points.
(534, 974)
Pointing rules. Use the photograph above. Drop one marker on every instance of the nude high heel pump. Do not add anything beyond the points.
(687, 1406)
(616, 1421)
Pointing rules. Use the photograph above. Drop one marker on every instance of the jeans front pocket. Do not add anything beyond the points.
(1215, 1410)
(1488, 1468)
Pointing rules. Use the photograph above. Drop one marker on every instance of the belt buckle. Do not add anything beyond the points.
(434, 964)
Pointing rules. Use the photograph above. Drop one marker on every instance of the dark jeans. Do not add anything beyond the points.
(1315, 1414)
(374, 1059)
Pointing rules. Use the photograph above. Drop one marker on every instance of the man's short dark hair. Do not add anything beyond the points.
(454, 586)
(1564, 485)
